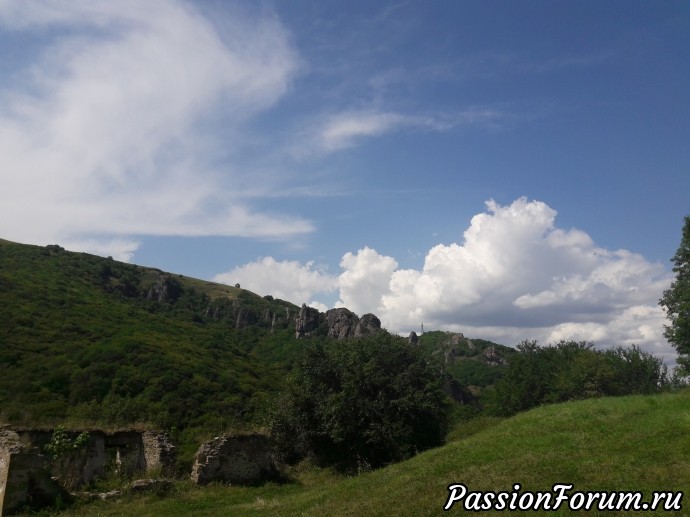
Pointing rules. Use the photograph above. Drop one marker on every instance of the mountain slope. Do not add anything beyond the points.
(95, 339)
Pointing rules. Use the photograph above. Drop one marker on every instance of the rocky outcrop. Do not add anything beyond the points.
(459, 393)
(368, 324)
(243, 460)
(245, 318)
(456, 338)
(343, 324)
(139, 486)
(306, 321)
(413, 338)
(340, 323)
(165, 289)
(157, 486)
(492, 357)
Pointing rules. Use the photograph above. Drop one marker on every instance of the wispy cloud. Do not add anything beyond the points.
(347, 129)
(107, 133)
(343, 130)
(288, 280)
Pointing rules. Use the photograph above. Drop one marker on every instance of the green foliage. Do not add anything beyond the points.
(68, 456)
(360, 403)
(83, 341)
(572, 370)
(676, 301)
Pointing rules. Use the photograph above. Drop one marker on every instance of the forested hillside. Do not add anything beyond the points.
(99, 340)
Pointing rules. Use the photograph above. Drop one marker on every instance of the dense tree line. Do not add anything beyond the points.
(571, 370)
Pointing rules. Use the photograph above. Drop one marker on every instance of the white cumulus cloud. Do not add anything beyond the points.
(514, 276)
(366, 279)
(517, 276)
(287, 280)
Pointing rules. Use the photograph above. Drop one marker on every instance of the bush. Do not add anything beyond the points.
(360, 403)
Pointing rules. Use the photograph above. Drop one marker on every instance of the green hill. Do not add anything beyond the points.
(635, 443)
(89, 339)
(477, 363)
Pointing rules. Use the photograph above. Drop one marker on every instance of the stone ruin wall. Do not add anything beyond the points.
(25, 470)
(234, 459)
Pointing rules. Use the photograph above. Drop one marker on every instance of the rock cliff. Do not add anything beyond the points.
(306, 321)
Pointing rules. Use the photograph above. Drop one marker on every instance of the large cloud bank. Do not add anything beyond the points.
(106, 125)
(515, 276)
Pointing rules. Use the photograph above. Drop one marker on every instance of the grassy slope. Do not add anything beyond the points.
(627, 443)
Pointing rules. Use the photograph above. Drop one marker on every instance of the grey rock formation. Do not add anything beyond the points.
(306, 321)
(450, 355)
(344, 324)
(413, 339)
(459, 393)
(456, 338)
(165, 289)
(158, 486)
(341, 323)
(492, 357)
(245, 318)
(244, 460)
(368, 324)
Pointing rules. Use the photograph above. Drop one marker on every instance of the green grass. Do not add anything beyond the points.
(627, 443)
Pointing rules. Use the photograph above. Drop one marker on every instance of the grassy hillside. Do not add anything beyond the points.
(92, 340)
(628, 443)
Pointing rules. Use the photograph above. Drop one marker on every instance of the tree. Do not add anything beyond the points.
(360, 403)
(676, 301)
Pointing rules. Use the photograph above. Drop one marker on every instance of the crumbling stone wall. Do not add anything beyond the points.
(243, 459)
(25, 472)
(159, 452)
(25, 481)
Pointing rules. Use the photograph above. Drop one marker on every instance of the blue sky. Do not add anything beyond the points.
(513, 170)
